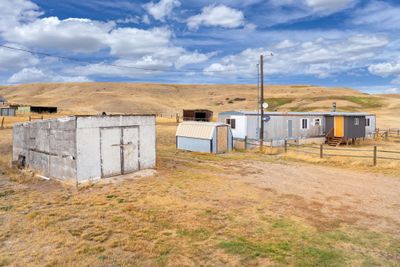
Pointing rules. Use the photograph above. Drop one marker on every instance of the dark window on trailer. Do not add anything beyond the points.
(317, 122)
(368, 122)
(231, 122)
(304, 123)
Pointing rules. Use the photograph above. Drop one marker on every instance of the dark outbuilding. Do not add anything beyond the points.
(197, 115)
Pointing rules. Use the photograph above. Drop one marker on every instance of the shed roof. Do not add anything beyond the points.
(246, 112)
(196, 129)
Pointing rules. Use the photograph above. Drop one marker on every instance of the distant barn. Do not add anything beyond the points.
(43, 109)
(197, 115)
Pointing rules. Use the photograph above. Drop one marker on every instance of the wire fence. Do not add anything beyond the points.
(373, 152)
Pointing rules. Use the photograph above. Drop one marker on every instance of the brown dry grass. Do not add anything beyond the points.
(170, 99)
(191, 213)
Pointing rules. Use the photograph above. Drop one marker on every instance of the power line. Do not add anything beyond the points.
(116, 65)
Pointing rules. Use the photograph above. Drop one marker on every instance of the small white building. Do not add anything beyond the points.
(79, 149)
(207, 137)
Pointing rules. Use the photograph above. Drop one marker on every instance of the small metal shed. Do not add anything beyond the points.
(8, 111)
(207, 137)
(197, 115)
(79, 149)
(3, 101)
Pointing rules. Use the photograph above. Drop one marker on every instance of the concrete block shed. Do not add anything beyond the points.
(207, 137)
(79, 149)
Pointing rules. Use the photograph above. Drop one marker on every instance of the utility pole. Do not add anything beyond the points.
(258, 99)
(262, 101)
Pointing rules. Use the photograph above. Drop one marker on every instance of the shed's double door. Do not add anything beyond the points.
(119, 150)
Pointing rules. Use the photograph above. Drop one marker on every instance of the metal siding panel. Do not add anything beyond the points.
(110, 140)
(131, 149)
(193, 144)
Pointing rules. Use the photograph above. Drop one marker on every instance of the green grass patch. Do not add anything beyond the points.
(278, 251)
(199, 234)
(274, 103)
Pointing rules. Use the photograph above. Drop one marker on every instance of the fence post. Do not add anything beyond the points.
(321, 151)
(2, 122)
(177, 118)
(386, 135)
(285, 146)
(375, 154)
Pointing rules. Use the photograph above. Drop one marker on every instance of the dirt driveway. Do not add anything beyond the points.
(327, 195)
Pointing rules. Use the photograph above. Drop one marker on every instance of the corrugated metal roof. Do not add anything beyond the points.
(246, 112)
(195, 129)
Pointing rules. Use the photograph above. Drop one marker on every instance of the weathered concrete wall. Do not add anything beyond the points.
(89, 159)
(48, 147)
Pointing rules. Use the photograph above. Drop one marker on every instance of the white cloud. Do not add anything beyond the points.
(217, 15)
(329, 6)
(133, 42)
(35, 75)
(320, 57)
(11, 60)
(13, 12)
(192, 58)
(162, 9)
(77, 35)
(385, 69)
(378, 15)
(392, 91)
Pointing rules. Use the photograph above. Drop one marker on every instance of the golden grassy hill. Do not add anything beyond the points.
(171, 98)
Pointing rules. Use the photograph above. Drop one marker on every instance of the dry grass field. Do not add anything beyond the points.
(243, 208)
(240, 209)
(170, 98)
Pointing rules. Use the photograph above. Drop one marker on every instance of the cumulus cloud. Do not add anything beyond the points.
(77, 35)
(385, 69)
(217, 15)
(35, 75)
(14, 12)
(162, 9)
(320, 57)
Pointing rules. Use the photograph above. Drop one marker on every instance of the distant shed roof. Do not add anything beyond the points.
(246, 112)
(195, 129)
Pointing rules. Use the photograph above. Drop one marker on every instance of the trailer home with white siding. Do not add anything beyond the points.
(302, 127)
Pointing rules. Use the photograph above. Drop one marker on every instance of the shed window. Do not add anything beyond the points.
(368, 122)
(231, 122)
(317, 122)
(356, 121)
(304, 124)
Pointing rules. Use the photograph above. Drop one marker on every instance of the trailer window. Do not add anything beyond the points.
(231, 122)
(317, 122)
(356, 121)
(304, 124)
(368, 122)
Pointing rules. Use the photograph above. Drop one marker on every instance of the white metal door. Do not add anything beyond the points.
(290, 128)
(130, 149)
(110, 139)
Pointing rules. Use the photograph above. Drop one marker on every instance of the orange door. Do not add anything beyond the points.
(339, 126)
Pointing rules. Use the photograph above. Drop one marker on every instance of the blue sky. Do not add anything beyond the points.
(350, 43)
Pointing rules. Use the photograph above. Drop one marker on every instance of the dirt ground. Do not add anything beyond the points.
(325, 194)
(238, 209)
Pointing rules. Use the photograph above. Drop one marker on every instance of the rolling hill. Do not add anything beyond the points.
(169, 99)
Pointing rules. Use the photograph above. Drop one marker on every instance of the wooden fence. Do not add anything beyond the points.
(323, 151)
